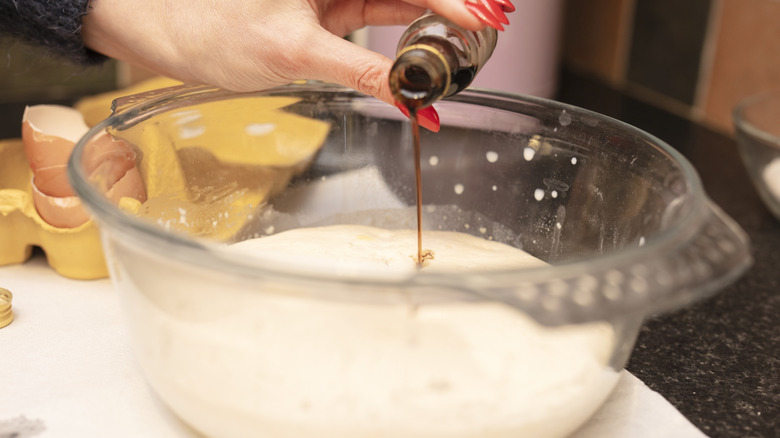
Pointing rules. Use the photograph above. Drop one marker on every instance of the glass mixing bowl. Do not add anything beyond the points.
(758, 138)
(264, 344)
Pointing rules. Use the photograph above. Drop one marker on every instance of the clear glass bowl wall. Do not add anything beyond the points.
(620, 217)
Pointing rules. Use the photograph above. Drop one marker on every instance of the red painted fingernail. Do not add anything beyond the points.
(484, 15)
(427, 117)
(402, 108)
(495, 10)
(506, 5)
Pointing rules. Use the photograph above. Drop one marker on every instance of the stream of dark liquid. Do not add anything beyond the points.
(418, 182)
(415, 85)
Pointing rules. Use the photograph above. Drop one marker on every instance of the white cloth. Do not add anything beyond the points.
(67, 370)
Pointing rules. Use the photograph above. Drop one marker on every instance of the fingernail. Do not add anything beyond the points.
(402, 108)
(427, 117)
(484, 15)
(506, 5)
(495, 10)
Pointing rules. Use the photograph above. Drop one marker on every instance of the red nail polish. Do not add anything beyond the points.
(403, 109)
(506, 5)
(495, 10)
(484, 15)
(427, 117)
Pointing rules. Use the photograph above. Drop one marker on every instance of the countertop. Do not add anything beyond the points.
(717, 361)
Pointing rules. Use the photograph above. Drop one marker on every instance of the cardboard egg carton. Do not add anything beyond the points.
(72, 252)
(77, 252)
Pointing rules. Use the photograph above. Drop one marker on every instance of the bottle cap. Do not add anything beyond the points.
(6, 314)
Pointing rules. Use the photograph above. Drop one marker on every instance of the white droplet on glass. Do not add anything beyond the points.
(564, 119)
(189, 132)
(259, 128)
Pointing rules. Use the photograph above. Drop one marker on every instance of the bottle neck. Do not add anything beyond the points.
(436, 59)
(420, 76)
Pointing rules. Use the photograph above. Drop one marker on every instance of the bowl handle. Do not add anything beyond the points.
(697, 266)
(713, 258)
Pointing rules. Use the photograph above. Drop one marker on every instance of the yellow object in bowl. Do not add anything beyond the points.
(252, 162)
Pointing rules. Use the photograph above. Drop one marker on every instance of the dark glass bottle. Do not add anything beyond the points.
(437, 58)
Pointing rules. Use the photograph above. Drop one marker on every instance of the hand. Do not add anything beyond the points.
(249, 45)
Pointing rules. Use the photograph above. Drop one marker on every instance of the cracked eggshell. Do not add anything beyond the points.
(131, 185)
(49, 133)
(60, 212)
(68, 211)
(53, 181)
(107, 160)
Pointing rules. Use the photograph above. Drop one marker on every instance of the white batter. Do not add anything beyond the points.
(351, 249)
(274, 365)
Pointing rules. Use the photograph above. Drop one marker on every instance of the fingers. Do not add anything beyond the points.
(455, 10)
(339, 61)
(471, 14)
(336, 60)
(488, 12)
(390, 12)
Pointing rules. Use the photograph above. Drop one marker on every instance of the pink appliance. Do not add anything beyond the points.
(525, 60)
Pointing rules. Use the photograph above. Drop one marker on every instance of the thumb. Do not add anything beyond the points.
(334, 59)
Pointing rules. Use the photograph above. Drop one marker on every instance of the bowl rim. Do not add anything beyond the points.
(205, 254)
(745, 124)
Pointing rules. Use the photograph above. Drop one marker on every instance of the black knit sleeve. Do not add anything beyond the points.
(54, 24)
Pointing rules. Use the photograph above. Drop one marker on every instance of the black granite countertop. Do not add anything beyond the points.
(718, 361)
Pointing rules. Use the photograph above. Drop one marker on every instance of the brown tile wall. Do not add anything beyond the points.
(745, 59)
(597, 34)
(697, 58)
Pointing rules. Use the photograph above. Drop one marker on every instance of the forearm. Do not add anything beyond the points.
(53, 24)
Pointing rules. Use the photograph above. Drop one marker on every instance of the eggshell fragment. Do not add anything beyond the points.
(107, 160)
(53, 181)
(60, 212)
(131, 185)
(68, 211)
(49, 133)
